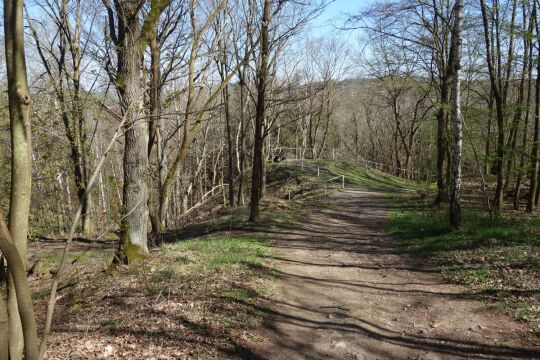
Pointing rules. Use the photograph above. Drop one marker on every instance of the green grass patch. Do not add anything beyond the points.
(242, 294)
(425, 231)
(471, 277)
(526, 312)
(221, 252)
(497, 260)
(358, 175)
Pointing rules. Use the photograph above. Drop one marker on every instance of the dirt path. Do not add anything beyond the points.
(347, 293)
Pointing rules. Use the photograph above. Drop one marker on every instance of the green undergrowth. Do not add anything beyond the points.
(220, 266)
(358, 175)
(221, 253)
(285, 175)
(497, 260)
(204, 286)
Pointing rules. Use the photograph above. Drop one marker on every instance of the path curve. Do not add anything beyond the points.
(346, 292)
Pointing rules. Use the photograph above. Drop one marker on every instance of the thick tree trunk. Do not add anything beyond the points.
(262, 79)
(457, 126)
(24, 297)
(21, 164)
(133, 240)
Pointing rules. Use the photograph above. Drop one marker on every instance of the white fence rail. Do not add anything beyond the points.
(300, 152)
(342, 177)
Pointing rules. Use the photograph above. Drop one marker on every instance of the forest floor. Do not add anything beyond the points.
(321, 277)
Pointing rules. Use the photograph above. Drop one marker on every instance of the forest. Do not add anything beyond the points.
(270, 179)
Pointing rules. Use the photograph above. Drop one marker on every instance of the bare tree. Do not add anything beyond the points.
(130, 39)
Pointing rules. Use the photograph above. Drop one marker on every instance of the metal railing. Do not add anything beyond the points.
(306, 166)
(342, 177)
(336, 154)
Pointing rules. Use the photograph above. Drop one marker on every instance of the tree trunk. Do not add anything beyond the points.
(498, 95)
(262, 78)
(18, 277)
(133, 240)
(230, 153)
(21, 163)
(263, 172)
(535, 154)
(524, 137)
(527, 75)
(4, 320)
(154, 122)
(487, 161)
(442, 142)
(186, 137)
(4, 329)
(242, 155)
(455, 171)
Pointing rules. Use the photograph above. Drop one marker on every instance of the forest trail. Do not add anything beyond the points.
(346, 292)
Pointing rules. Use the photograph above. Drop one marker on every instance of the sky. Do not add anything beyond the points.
(335, 15)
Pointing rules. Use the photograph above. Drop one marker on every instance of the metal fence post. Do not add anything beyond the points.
(343, 181)
(318, 171)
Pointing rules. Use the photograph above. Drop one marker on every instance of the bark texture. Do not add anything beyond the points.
(133, 241)
(262, 79)
(21, 164)
(457, 126)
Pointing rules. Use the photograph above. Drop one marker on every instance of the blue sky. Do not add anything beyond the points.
(336, 14)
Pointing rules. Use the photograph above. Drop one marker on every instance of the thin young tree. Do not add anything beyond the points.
(499, 77)
(62, 60)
